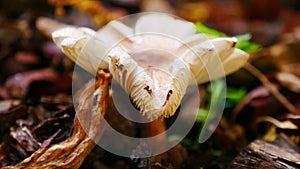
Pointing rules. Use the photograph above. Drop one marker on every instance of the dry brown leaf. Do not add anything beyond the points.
(17, 85)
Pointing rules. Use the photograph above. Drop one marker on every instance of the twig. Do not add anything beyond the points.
(152, 129)
(282, 99)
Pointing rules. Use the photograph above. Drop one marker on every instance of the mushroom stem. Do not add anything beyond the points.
(87, 130)
(152, 129)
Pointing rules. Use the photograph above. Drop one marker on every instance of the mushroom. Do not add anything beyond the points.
(154, 61)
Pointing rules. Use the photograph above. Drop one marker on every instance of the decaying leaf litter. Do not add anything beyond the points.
(247, 116)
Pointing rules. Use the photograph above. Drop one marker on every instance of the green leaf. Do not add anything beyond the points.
(217, 153)
(234, 96)
(243, 40)
(244, 37)
(184, 141)
(216, 104)
(245, 44)
(201, 115)
(206, 30)
(216, 91)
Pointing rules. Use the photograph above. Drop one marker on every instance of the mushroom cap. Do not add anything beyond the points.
(154, 59)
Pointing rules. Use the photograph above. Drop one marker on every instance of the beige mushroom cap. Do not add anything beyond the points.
(155, 61)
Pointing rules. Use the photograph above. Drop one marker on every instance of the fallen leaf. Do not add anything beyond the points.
(17, 85)
(9, 116)
(24, 137)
